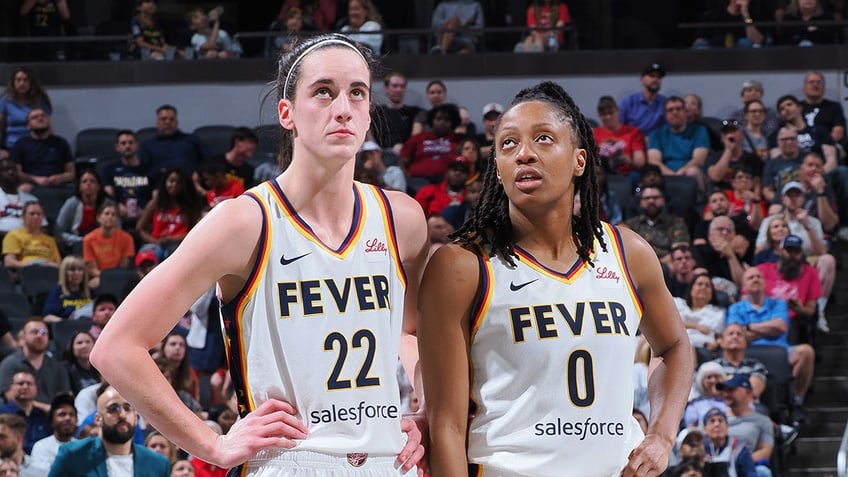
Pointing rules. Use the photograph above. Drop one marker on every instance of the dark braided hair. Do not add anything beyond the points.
(489, 225)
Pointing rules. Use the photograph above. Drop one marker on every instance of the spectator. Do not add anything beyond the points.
(29, 245)
(174, 210)
(63, 420)
(219, 186)
(679, 147)
(704, 395)
(783, 168)
(733, 361)
(701, 315)
(456, 215)
(621, 145)
(243, 143)
(776, 231)
(376, 171)
(171, 147)
(291, 22)
(50, 376)
(70, 294)
(752, 90)
(175, 354)
(126, 181)
(318, 15)
(20, 401)
(723, 448)
(437, 93)
(820, 111)
(656, 225)
(545, 14)
(104, 307)
(160, 444)
(718, 205)
(23, 93)
(469, 148)
(209, 40)
(491, 113)
(809, 230)
(681, 271)
(733, 12)
(438, 230)
(455, 22)
(434, 198)
(766, 322)
(426, 155)
(43, 158)
(755, 138)
(78, 215)
(819, 197)
(11, 199)
(810, 138)
(75, 358)
(720, 254)
(807, 12)
(106, 246)
(363, 17)
(45, 18)
(722, 164)
(391, 123)
(693, 105)
(12, 430)
(791, 279)
(94, 455)
(752, 428)
(182, 468)
(148, 39)
(645, 109)
(745, 204)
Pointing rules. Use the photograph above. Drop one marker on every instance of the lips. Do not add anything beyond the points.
(342, 132)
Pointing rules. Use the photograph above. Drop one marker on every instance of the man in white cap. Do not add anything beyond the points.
(491, 113)
(373, 167)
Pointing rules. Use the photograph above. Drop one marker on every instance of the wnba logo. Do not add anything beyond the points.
(357, 459)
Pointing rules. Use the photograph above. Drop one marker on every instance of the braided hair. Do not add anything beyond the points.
(489, 225)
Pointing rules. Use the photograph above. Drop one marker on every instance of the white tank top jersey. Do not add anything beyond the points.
(552, 378)
(320, 328)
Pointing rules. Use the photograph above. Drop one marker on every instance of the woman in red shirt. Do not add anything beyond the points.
(175, 208)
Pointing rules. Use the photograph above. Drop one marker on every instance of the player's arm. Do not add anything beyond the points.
(447, 292)
(220, 248)
(671, 376)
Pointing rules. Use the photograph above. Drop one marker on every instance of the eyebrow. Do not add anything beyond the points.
(330, 81)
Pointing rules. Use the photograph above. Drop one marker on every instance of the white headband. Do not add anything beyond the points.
(330, 41)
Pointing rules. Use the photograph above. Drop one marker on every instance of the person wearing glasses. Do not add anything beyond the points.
(755, 137)
(752, 90)
(679, 147)
(21, 395)
(113, 453)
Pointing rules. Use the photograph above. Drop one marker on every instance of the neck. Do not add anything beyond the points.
(697, 303)
(117, 449)
(757, 298)
(685, 277)
(132, 161)
(107, 231)
(63, 437)
(395, 105)
(814, 100)
(678, 129)
(34, 358)
(43, 135)
(755, 128)
(648, 94)
(25, 405)
(718, 442)
(798, 122)
(734, 355)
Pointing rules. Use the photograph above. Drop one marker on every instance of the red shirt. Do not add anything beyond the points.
(169, 222)
(89, 220)
(232, 189)
(628, 138)
(435, 197)
(428, 154)
(805, 287)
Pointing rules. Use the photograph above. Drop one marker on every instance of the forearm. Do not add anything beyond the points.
(827, 216)
(665, 393)
(717, 171)
(27, 6)
(769, 329)
(62, 7)
(763, 452)
(447, 455)
(154, 398)
(11, 261)
(817, 245)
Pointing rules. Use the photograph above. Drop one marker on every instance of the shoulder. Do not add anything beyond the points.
(150, 457)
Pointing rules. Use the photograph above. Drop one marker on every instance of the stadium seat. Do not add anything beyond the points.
(14, 307)
(117, 281)
(6, 283)
(623, 189)
(36, 283)
(681, 198)
(51, 199)
(216, 138)
(269, 138)
(777, 396)
(97, 142)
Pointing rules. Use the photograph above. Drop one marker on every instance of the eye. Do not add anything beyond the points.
(544, 138)
(322, 93)
(359, 93)
(507, 143)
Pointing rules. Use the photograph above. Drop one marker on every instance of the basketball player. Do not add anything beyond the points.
(317, 281)
(533, 313)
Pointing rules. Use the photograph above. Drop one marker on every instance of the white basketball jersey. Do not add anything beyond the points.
(320, 327)
(552, 381)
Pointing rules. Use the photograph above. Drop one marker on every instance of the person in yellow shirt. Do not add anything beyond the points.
(29, 244)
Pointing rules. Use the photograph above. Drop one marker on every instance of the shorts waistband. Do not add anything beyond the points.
(292, 458)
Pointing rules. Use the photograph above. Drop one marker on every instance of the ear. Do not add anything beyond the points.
(579, 161)
(98, 418)
(284, 114)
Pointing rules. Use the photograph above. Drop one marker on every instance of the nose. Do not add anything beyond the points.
(342, 108)
(525, 153)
